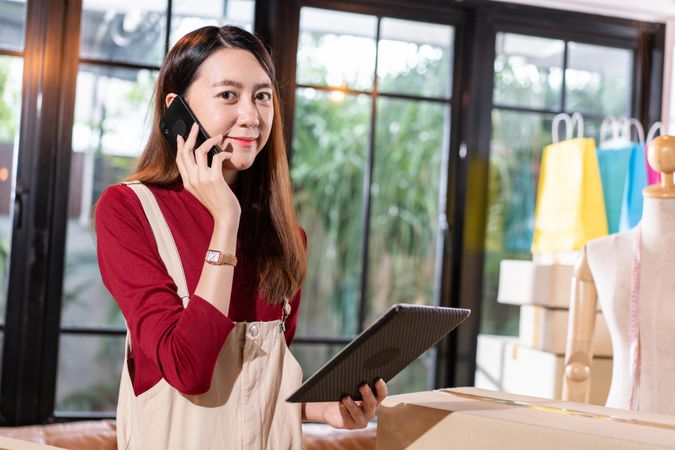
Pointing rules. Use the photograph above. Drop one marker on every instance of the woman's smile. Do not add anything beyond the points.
(243, 141)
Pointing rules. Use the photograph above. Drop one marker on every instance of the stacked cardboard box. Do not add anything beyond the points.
(503, 364)
(470, 418)
(532, 363)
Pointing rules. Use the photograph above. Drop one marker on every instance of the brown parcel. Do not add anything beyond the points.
(470, 418)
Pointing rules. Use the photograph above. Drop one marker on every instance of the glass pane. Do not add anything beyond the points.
(415, 58)
(336, 49)
(12, 24)
(126, 31)
(410, 142)
(111, 108)
(85, 299)
(189, 15)
(11, 73)
(89, 371)
(528, 71)
(330, 144)
(313, 356)
(418, 376)
(515, 156)
(598, 79)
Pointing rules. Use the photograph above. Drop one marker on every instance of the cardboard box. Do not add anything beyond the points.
(503, 364)
(470, 418)
(546, 329)
(529, 283)
(535, 283)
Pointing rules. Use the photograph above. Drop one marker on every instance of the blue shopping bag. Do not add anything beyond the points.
(636, 181)
(613, 164)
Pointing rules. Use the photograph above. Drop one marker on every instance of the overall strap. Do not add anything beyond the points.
(165, 243)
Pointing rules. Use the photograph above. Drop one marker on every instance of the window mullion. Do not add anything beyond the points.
(563, 88)
(367, 185)
(167, 36)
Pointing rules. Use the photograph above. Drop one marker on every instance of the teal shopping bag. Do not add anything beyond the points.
(613, 164)
(636, 181)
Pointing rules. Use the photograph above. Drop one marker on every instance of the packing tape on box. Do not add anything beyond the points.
(556, 410)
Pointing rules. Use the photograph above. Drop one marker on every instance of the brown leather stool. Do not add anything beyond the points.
(101, 435)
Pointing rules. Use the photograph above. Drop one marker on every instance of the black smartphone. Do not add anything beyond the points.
(178, 120)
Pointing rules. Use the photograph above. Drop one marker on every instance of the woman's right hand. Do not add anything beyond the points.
(207, 183)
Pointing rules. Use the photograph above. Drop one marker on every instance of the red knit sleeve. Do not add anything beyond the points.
(183, 343)
(292, 319)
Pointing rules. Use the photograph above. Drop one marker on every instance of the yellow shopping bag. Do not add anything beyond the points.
(570, 208)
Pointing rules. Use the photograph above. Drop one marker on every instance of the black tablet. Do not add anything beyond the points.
(381, 351)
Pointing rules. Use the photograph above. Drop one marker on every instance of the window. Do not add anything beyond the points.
(121, 49)
(371, 127)
(536, 78)
(12, 30)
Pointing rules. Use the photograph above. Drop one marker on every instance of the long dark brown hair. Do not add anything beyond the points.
(268, 231)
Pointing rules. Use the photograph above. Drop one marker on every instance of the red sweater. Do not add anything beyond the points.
(168, 341)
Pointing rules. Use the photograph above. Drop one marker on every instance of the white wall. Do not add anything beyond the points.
(647, 10)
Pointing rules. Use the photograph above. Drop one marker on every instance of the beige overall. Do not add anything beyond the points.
(245, 408)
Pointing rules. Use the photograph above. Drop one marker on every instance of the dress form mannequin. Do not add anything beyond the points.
(604, 270)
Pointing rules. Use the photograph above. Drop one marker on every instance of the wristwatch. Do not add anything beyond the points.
(218, 258)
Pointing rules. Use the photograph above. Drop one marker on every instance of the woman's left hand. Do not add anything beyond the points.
(350, 414)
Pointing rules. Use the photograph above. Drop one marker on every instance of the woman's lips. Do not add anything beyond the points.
(243, 142)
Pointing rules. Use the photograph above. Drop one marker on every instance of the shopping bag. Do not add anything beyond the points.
(653, 177)
(570, 208)
(636, 181)
(613, 165)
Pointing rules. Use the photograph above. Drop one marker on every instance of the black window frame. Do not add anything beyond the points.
(32, 326)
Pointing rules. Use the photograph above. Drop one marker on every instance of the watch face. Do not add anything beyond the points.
(212, 256)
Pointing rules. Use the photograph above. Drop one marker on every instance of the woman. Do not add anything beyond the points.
(207, 363)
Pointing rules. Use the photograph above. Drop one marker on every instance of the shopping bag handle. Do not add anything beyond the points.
(656, 127)
(578, 121)
(626, 126)
(570, 122)
(621, 131)
(616, 130)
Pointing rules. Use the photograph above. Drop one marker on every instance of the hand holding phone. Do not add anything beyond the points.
(209, 185)
(178, 121)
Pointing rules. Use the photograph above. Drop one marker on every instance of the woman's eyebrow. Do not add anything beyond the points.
(240, 85)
